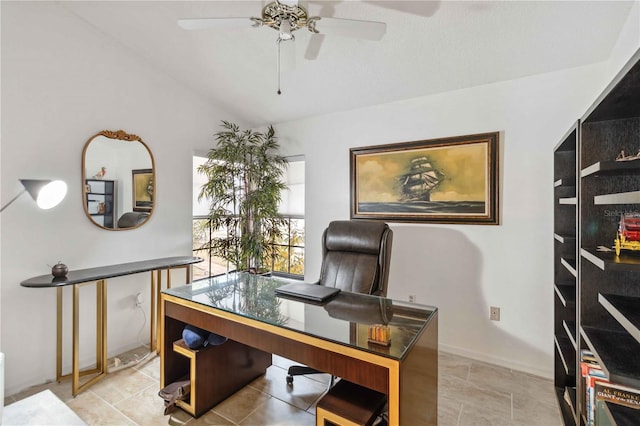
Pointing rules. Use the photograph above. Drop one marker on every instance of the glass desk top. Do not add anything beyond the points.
(344, 319)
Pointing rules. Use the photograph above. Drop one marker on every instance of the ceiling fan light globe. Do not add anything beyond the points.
(285, 30)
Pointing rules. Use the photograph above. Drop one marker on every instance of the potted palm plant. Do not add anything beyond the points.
(244, 182)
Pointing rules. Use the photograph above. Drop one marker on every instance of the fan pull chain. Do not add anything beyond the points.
(278, 42)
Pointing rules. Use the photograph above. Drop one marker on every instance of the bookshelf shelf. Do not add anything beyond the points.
(568, 201)
(570, 328)
(622, 416)
(570, 264)
(572, 396)
(100, 201)
(626, 310)
(608, 261)
(632, 197)
(567, 354)
(566, 408)
(566, 293)
(565, 238)
(611, 168)
(617, 353)
(567, 183)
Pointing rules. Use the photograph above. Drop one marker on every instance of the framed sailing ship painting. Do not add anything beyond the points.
(142, 190)
(449, 180)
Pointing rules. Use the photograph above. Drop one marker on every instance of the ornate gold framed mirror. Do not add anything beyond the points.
(118, 180)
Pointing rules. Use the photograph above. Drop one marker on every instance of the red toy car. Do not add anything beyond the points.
(628, 236)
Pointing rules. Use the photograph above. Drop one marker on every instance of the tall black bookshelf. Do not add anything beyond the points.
(100, 201)
(605, 315)
(565, 234)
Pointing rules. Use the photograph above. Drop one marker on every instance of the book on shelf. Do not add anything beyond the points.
(588, 357)
(590, 374)
(613, 393)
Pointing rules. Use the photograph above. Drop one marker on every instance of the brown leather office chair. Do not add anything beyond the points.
(355, 257)
(131, 219)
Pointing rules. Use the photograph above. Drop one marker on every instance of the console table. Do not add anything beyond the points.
(330, 337)
(99, 275)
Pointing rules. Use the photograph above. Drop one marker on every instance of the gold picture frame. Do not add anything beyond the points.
(448, 180)
(143, 185)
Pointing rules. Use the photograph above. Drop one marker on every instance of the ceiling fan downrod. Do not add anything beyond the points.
(278, 42)
(285, 19)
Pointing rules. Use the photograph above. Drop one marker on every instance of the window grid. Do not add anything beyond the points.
(290, 249)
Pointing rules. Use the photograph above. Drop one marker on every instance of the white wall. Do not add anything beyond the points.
(626, 45)
(62, 82)
(463, 269)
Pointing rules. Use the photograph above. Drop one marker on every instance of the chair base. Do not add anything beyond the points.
(299, 370)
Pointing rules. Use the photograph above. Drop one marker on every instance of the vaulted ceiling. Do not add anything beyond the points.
(429, 47)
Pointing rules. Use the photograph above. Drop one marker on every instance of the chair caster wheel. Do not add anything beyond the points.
(290, 380)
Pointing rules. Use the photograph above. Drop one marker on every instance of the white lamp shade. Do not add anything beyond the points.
(51, 194)
(46, 193)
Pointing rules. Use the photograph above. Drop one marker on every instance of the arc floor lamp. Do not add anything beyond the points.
(46, 193)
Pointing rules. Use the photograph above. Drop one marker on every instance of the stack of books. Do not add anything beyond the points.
(606, 401)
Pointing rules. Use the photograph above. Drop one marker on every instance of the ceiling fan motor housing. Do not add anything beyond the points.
(273, 14)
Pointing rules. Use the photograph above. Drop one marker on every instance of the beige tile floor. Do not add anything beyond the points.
(470, 393)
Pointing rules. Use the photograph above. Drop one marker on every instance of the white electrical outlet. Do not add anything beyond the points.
(412, 298)
(494, 313)
(139, 299)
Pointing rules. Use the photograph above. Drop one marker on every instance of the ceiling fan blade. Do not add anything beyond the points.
(313, 47)
(420, 8)
(368, 30)
(206, 23)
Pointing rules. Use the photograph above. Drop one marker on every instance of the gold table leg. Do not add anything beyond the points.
(101, 326)
(75, 330)
(101, 339)
(153, 344)
(156, 289)
(100, 371)
(59, 334)
(157, 300)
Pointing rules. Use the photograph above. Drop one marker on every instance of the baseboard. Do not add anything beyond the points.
(85, 363)
(535, 370)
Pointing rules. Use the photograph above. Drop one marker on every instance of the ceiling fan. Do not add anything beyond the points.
(287, 16)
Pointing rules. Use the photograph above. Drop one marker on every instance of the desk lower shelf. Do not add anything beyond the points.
(209, 370)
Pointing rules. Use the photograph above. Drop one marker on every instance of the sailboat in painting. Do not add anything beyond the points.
(421, 179)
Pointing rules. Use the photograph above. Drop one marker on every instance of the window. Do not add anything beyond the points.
(290, 247)
(202, 232)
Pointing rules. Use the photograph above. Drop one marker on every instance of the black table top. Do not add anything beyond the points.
(109, 271)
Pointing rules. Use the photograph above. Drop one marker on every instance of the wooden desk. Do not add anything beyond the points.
(99, 275)
(330, 337)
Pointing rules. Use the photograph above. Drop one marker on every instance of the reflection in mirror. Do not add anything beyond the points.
(118, 177)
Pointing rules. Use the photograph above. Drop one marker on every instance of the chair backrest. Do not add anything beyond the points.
(131, 219)
(356, 256)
